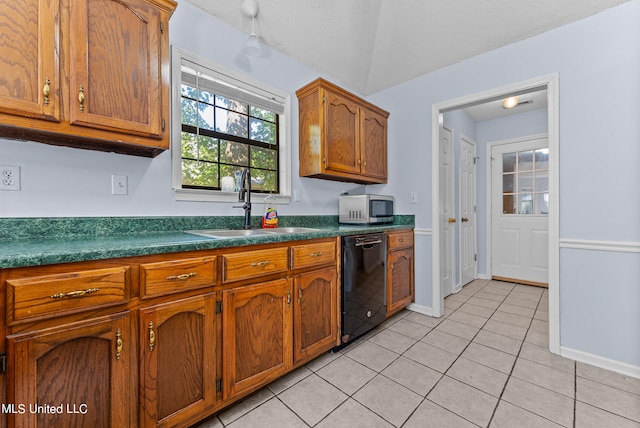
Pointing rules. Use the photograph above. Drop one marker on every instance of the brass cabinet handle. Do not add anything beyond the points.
(318, 254)
(452, 220)
(81, 98)
(465, 219)
(46, 90)
(118, 343)
(152, 336)
(288, 298)
(299, 294)
(258, 264)
(74, 294)
(182, 276)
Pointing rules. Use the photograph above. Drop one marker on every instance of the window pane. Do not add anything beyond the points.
(188, 91)
(508, 183)
(232, 171)
(189, 145)
(263, 180)
(231, 104)
(231, 123)
(262, 114)
(542, 181)
(189, 112)
(509, 162)
(264, 158)
(525, 202)
(205, 116)
(205, 96)
(263, 131)
(525, 182)
(508, 204)
(525, 161)
(542, 159)
(234, 153)
(541, 203)
(208, 148)
(196, 173)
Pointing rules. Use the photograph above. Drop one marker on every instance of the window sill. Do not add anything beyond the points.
(228, 197)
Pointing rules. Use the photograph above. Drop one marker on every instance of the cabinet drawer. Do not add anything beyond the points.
(64, 293)
(250, 264)
(400, 239)
(174, 276)
(313, 254)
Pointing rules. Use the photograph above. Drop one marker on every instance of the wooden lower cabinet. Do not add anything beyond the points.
(400, 265)
(80, 370)
(258, 334)
(315, 321)
(178, 351)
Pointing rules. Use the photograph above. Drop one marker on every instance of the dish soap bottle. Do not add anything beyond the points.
(270, 217)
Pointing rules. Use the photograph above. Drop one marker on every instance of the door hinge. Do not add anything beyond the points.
(218, 306)
(3, 363)
(163, 124)
(218, 385)
(475, 257)
(162, 28)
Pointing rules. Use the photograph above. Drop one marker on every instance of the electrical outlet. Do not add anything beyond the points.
(9, 177)
(119, 185)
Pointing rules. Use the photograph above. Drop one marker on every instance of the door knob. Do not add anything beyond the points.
(452, 220)
(464, 219)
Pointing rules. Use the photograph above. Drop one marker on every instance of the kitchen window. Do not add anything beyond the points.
(223, 122)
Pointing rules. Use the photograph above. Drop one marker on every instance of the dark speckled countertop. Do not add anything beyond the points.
(43, 241)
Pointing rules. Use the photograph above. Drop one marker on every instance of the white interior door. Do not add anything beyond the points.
(468, 241)
(447, 215)
(520, 211)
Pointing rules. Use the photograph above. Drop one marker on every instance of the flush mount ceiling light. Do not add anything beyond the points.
(252, 44)
(510, 102)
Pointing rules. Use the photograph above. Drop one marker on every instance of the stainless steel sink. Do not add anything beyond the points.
(240, 233)
(228, 233)
(290, 230)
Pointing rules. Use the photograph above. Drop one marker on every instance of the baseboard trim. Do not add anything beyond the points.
(424, 310)
(602, 362)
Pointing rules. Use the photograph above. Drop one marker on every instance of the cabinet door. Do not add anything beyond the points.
(178, 360)
(257, 334)
(115, 51)
(400, 288)
(341, 145)
(29, 72)
(315, 324)
(81, 370)
(374, 145)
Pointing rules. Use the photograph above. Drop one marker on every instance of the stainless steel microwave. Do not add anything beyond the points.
(365, 209)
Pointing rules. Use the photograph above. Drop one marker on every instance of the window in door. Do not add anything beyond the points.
(525, 182)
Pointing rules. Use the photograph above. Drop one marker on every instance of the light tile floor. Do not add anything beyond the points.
(485, 363)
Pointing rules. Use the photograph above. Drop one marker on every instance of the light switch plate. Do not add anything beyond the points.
(413, 197)
(119, 184)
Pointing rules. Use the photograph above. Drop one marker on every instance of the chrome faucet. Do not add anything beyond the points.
(245, 196)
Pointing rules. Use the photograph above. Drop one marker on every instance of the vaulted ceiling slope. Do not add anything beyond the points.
(371, 45)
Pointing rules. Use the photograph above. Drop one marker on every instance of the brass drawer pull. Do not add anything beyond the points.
(258, 264)
(401, 240)
(182, 276)
(318, 254)
(118, 344)
(74, 294)
(152, 336)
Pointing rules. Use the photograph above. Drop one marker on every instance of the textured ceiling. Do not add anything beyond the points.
(371, 45)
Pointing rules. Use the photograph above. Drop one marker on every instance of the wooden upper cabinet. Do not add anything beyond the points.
(342, 137)
(29, 71)
(97, 71)
(123, 94)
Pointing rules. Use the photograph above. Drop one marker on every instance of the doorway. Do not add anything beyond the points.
(550, 83)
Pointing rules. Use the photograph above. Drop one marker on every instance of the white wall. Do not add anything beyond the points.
(598, 65)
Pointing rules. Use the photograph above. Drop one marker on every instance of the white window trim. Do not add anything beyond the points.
(239, 80)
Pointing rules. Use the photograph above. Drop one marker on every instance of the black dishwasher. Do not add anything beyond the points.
(364, 276)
